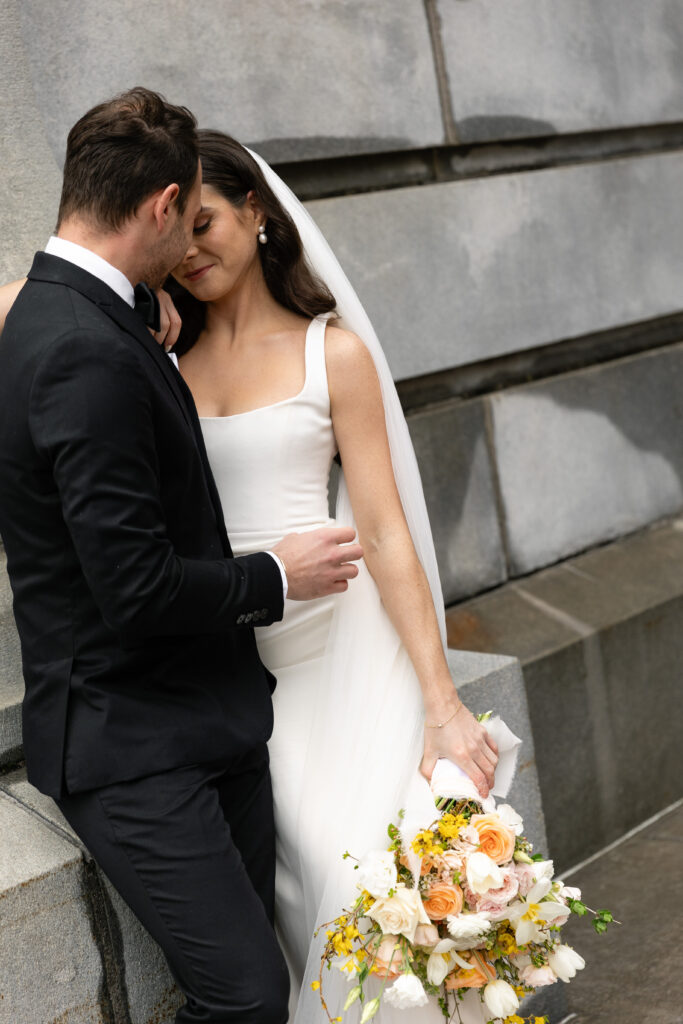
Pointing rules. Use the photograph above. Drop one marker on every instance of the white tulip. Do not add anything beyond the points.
(406, 993)
(565, 962)
(438, 966)
(377, 873)
(483, 873)
(508, 815)
(500, 998)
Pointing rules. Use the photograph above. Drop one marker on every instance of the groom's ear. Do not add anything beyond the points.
(162, 205)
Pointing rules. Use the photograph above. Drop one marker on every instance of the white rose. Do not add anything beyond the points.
(468, 929)
(483, 873)
(401, 913)
(508, 815)
(565, 962)
(406, 993)
(500, 998)
(377, 873)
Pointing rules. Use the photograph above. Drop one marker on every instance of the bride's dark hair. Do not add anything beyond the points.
(229, 169)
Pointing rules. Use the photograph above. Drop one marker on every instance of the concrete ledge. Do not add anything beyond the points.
(600, 644)
(489, 682)
(11, 680)
(70, 948)
(50, 965)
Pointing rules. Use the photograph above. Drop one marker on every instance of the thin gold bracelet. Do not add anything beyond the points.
(440, 725)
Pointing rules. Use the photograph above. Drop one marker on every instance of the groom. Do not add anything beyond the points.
(147, 709)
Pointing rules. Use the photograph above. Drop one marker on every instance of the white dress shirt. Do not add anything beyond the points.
(119, 283)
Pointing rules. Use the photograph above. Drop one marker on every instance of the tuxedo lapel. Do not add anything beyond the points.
(55, 270)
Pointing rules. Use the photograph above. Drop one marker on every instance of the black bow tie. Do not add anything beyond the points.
(147, 305)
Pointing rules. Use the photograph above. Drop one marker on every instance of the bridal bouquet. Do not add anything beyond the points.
(465, 905)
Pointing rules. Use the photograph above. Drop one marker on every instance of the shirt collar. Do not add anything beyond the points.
(94, 264)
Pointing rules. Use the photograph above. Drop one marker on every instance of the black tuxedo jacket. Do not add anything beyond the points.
(134, 618)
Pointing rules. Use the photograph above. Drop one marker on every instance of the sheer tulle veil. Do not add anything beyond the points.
(366, 728)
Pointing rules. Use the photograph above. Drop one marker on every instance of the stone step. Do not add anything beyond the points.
(600, 642)
(11, 680)
(70, 949)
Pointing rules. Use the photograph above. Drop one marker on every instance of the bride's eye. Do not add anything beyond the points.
(200, 229)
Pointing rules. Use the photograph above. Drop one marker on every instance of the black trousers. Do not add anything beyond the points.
(192, 853)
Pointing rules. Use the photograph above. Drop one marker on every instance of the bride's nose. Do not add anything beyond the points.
(192, 251)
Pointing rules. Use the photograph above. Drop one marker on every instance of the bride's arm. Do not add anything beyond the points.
(8, 293)
(360, 430)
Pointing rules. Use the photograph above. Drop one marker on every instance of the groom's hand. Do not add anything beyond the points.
(319, 562)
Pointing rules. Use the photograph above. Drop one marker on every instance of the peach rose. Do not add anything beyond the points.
(474, 978)
(496, 840)
(386, 959)
(443, 900)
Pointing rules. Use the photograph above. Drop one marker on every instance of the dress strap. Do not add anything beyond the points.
(316, 368)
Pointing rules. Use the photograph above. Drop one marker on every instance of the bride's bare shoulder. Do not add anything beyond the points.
(345, 351)
(8, 293)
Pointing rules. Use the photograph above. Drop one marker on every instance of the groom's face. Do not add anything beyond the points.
(176, 239)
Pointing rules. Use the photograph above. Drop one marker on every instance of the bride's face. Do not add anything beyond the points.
(223, 250)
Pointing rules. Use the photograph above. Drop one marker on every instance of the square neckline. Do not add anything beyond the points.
(283, 401)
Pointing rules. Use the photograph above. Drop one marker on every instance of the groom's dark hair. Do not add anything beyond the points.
(123, 151)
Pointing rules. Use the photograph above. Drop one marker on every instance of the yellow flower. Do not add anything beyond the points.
(514, 1019)
(423, 842)
(450, 825)
(519, 990)
(315, 985)
(506, 941)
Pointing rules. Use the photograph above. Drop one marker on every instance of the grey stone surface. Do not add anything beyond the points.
(493, 683)
(11, 680)
(150, 991)
(536, 67)
(600, 644)
(50, 968)
(459, 272)
(450, 444)
(588, 456)
(641, 882)
(30, 180)
(301, 79)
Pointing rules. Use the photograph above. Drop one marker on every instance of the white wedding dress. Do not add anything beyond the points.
(272, 467)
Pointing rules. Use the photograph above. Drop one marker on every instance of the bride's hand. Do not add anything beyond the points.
(170, 322)
(465, 742)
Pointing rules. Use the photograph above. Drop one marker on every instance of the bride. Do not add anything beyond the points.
(287, 373)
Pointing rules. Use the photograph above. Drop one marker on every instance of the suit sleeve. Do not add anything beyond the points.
(91, 418)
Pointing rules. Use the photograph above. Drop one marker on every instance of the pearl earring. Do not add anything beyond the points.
(262, 236)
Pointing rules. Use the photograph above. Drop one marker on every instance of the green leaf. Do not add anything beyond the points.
(600, 926)
(370, 1010)
(364, 971)
(537, 857)
(604, 915)
(352, 996)
(577, 907)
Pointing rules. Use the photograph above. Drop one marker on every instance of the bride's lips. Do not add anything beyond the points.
(196, 274)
